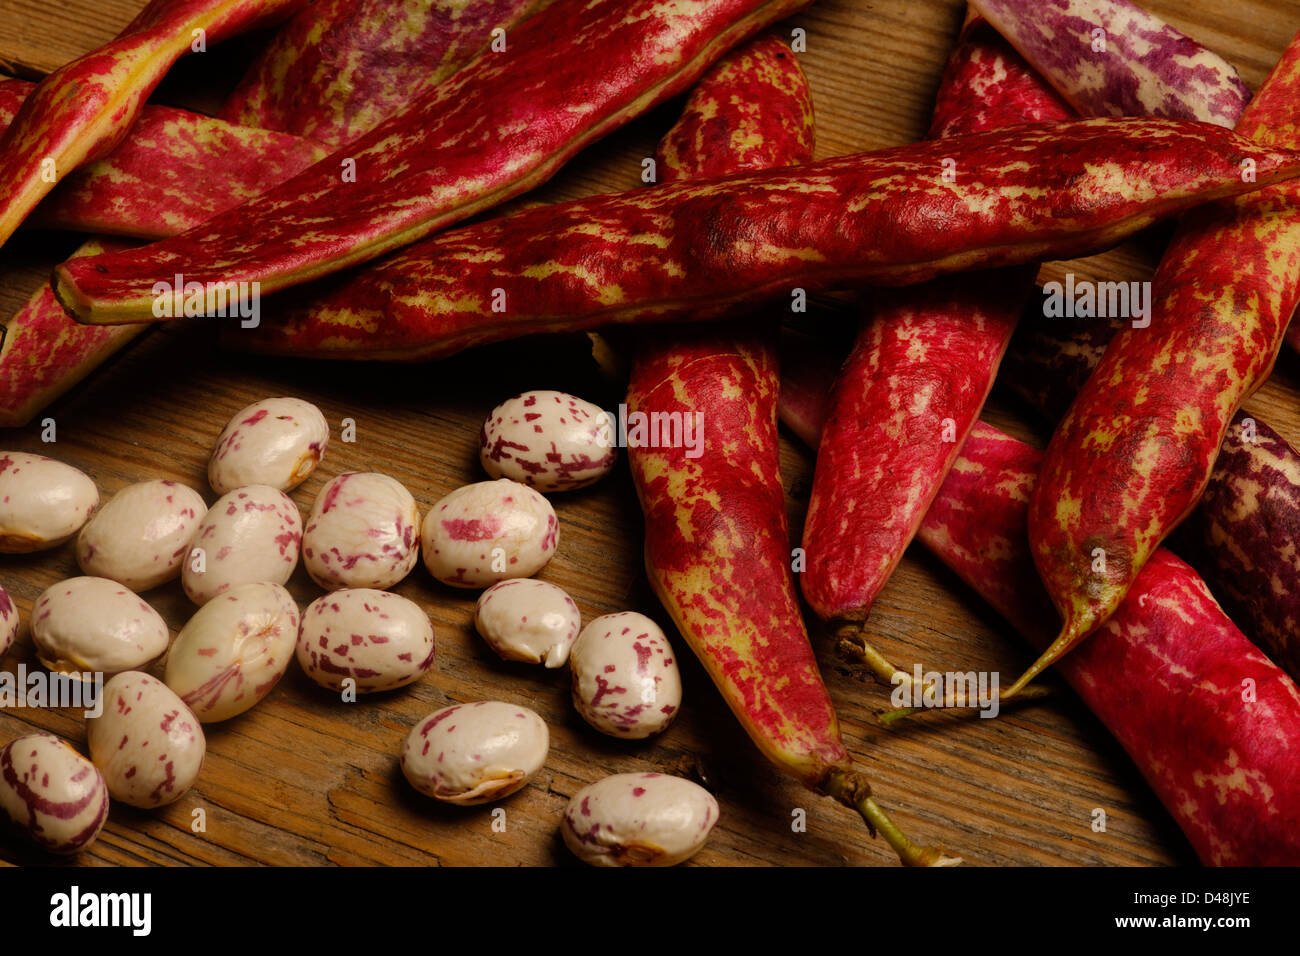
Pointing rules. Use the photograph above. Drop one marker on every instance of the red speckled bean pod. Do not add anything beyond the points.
(1213, 725)
(340, 67)
(1241, 537)
(82, 110)
(1134, 453)
(919, 372)
(177, 169)
(506, 123)
(717, 544)
(173, 171)
(1164, 674)
(43, 353)
(1030, 192)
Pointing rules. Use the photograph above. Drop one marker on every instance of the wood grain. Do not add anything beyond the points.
(306, 779)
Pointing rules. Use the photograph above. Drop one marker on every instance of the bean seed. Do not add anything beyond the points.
(140, 537)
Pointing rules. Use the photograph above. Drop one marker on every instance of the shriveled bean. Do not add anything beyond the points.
(377, 639)
(488, 532)
(548, 440)
(276, 442)
(52, 792)
(140, 537)
(233, 650)
(43, 502)
(148, 745)
(625, 677)
(526, 620)
(251, 534)
(638, 819)
(94, 624)
(475, 753)
(362, 533)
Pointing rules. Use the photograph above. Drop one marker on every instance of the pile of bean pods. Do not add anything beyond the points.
(342, 193)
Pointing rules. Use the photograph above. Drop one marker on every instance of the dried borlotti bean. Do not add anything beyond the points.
(625, 677)
(548, 440)
(377, 640)
(146, 743)
(638, 819)
(361, 533)
(43, 502)
(233, 650)
(52, 792)
(488, 532)
(276, 442)
(526, 620)
(8, 621)
(251, 534)
(94, 624)
(140, 537)
(475, 753)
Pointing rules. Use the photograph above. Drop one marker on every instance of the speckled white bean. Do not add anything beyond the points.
(379, 640)
(548, 440)
(276, 442)
(487, 532)
(475, 753)
(625, 678)
(52, 792)
(363, 532)
(639, 819)
(43, 502)
(8, 622)
(140, 537)
(146, 743)
(251, 534)
(527, 620)
(233, 650)
(94, 624)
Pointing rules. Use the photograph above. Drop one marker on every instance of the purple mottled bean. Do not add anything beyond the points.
(1112, 58)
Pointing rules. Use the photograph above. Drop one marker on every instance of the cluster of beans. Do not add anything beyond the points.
(362, 536)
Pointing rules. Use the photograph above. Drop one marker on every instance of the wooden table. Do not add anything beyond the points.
(306, 779)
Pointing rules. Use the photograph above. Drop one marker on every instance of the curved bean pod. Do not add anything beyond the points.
(1134, 453)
